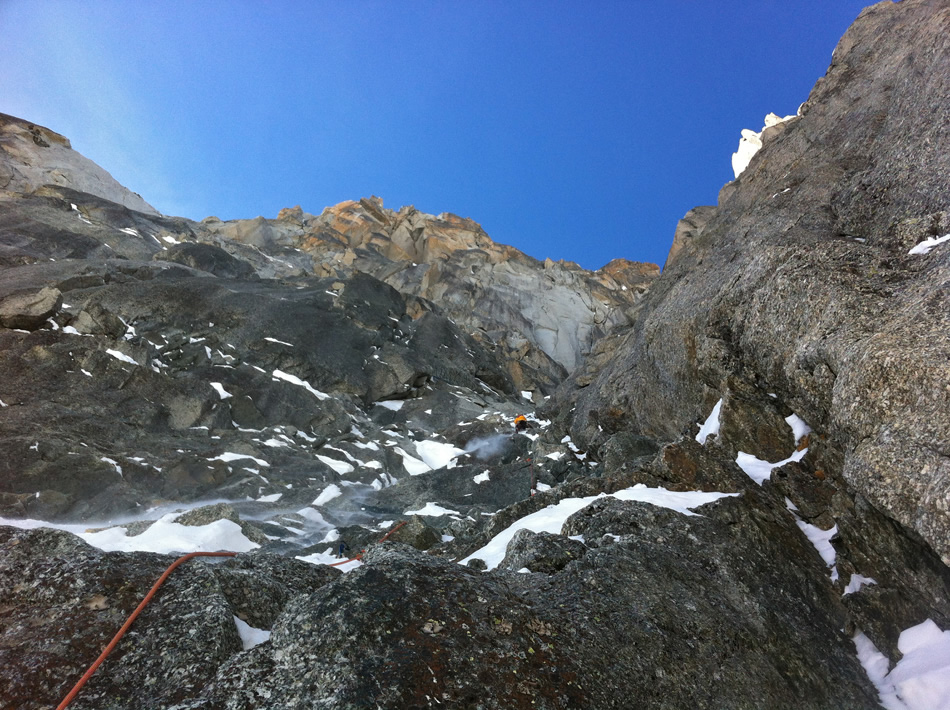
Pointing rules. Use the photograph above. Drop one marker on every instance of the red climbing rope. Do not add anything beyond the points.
(128, 622)
(148, 597)
(360, 555)
(386, 536)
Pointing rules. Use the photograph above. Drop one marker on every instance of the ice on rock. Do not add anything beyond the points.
(432, 509)
(327, 494)
(751, 142)
(710, 427)
(250, 637)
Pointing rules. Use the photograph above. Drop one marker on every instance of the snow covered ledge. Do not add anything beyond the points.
(751, 141)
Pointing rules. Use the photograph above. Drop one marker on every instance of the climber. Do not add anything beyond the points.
(343, 546)
(521, 423)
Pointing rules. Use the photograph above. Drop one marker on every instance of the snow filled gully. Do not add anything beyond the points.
(921, 679)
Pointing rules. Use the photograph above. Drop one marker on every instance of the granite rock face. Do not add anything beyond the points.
(678, 611)
(801, 282)
(308, 383)
(593, 634)
(543, 316)
(62, 601)
(36, 156)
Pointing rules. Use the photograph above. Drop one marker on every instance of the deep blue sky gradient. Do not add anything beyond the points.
(571, 130)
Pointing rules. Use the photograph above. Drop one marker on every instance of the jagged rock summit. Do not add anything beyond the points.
(37, 157)
(736, 498)
(544, 315)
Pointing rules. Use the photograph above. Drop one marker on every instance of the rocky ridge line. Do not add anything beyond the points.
(326, 407)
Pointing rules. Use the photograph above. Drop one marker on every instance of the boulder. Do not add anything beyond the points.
(62, 601)
(258, 586)
(541, 552)
(417, 533)
(30, 310)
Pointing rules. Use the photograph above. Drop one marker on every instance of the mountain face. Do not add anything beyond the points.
(542, 318)
(803, 287)
(284, 388)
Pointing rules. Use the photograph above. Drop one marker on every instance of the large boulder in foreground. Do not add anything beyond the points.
(806, 284)
(61, 602)
(729, 609)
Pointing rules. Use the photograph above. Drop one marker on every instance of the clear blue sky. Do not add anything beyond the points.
(571, 130)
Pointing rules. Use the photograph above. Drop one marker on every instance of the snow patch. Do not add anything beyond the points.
(437, 454)
(432, 509)
(118, 468)
(710, 427)
(219, 388)
(925, 246)
(327, 494)
(921, 679)
(856, 582)
(799, 428)
(552, 518)
(229, 456)
(121, 356)
(413, 466)
(250, 637)
(821, 539)
(341, 467)
(287, 377)
(760, 471)
(393, 404)
(166, 536)
(314, 516)
(327, 558)
(751, 142)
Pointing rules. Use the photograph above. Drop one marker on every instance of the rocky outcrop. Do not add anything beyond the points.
(544, 317)
(35, 156)
(801, 282)
(61, 601)
(628, 601)
(139, 365)
(29, 310)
